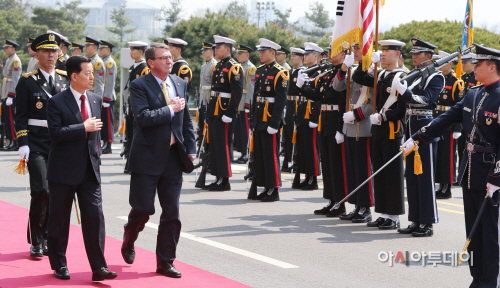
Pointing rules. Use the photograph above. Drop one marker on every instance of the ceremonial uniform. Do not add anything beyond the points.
(180, 66)
(61, 62)
(420, 98)
(227, 88)
(99, 69)
(32, 64)
(206, 72)
(109, 98)
(479, 114)
(12, 70)
(76, 48)
(285, 66)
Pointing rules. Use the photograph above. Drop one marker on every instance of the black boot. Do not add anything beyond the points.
(351, 215)
(445, 193)
(271, 195)
(325, 209)
(336, 212)
(311, 184)
(221, 185)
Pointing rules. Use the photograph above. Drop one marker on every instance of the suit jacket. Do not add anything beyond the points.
(154, 124)
(71, 145)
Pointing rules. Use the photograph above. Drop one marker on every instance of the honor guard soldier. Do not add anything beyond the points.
(32, 64)
(447, 148)
(332, 149)
(420, 98)
(294, 93)
(470, 81)
(307, 120)
(61, 60)
(65, 48)
(206, 73)
(478, 113)
(12, 70)
(281, 56)
(227, 88)
(91, 46)
(34, 90)
(387, 135)
(401, 63)
(137, 49)
(76, 49)
(181, 66)
(241, 126)
(108, 96)
(269, 100)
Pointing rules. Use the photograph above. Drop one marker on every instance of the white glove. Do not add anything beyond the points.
(348, 117)
(312, 125)
(271, 130)
(349, 60)
(456, 135)
(376, 56)
(339, 137)
(9, 101)
(374, 119)
(105, 105)
(24, 152)
(408, 145)
(226, 119)
(301, 79)
(401, 87)
(491, 189)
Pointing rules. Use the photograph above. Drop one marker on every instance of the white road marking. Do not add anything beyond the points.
(215, 244)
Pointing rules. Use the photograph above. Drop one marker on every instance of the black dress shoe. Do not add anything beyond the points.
(260, 196)
(62, 273)
(325, 209)
(351, 215)
(45, 248)
(242, 160)
(221, 187)
(128, 254)
(365, 217)
(408, 230)
(107, 150)
(376, 223)
(389, 224)
(207, 187)
(445, 193)
(336, 212)
(36, 251)
(271, 197)
(424, 230)
(168, 270)
(311, 184)
(102, 273)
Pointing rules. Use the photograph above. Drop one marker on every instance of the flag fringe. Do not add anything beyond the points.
(350, 37)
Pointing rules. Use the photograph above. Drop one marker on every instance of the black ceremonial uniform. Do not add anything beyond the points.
(61, 62)
(481, 165)
(446, 148)
(307, 138)
(33, 93)
(181, 69)
(469, 82)
(291, 106)
(269, 100)
(225, 96)
(332, 109)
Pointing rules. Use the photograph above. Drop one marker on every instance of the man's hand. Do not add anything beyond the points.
(409, 144)
(376, 56)
(92, 125)
(301, 79)
(401, 87)
(105, 105)
(375, 119)
(177, 104)
(491, 189)
(339, 137)
(271, 130)
(456, 135)
(192, 157)
(9, 101)
(226, 119)
(348, 62)
(348, 117)
(24, 152)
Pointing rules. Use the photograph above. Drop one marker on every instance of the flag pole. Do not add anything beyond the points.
(375, 72)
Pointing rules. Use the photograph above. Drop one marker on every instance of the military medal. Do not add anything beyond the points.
(445, 97)
(268, 88)
(221, 80)
(321, 89)
(39, 104)
(237, 77)
(488, 121)
(389, 90)
(295, 79)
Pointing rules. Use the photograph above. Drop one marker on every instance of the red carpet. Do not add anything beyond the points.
(17, 269)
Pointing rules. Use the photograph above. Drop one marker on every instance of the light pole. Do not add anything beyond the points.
(263, 6)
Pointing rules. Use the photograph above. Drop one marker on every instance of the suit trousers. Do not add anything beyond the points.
(143, 189)
(39, 205)
(60, 204)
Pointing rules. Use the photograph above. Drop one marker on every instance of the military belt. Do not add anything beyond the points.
(473, 148)
(304, 99)
(329, 107)
(222, 94)
(206, 87)
(292, 98)
(418, 112)
(442, 108)
(37, 122)
(265, 99)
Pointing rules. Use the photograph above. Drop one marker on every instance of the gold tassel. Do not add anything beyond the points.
(294, 137)
(319, 121)
(251, 143)
(281, 131)
(391, 130)
(417, 167)
(216, 112)
(21, 167)
(197, 116)
(264, 117)
(307, 109)
(296, 105)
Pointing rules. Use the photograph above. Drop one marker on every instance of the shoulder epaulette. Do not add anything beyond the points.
(232, 61)
(477, 86)
(110, 64)
(28, 74)
(251, 70)
(278, 66)
(98, 65)
(261, 66)
(62, 72)
(145, 71)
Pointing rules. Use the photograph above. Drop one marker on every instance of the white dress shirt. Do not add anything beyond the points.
(171, 94)
(46, 75)
(77, 96)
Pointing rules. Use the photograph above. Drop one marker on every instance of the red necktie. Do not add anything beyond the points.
(85, 113)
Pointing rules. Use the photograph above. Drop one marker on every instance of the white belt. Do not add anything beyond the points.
(264, 99)
(206, 87)
(420, 112)
(222, 94)
(7, 79)
(329, 107)
(37, 122)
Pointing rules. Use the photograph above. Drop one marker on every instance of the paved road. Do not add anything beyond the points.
(281, 244)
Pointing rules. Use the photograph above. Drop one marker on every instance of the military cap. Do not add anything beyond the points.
(105, 44)
(468, 57)
(75, 45)
(297, 51)
(10, 43)
(66, 43)
(137, 45)
(30, 40)
(175, 42)
(244, 48)
(283, 50)
(91, 41)
(391, 45)
(206, 46)
(267, 44)
(420, 46)
(46, 41)
(219, 40)
(485, 53)
(312, 47)
(58, 34)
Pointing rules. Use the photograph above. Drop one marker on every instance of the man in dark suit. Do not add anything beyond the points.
(163, 134)
(74, 124)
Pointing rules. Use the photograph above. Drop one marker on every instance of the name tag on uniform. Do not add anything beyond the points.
(467, 109)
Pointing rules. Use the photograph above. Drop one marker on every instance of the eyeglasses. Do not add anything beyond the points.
(163, 59)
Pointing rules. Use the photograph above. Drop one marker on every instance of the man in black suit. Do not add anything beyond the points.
(163, 134)
(73, 118)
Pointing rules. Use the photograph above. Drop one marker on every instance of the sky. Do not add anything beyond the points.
(394, 13)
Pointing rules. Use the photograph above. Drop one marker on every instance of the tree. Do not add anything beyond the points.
(319, 16)
(121, 20)
(74, 24)
(237, 9)
(171, 15)
(283, 17)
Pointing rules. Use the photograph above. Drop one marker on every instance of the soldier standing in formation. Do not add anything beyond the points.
(61, 60)
(181, 66)
(281, 56)
(241, 126)
(76, 49)
(12, 70)
(108, 96)
(206, 73)
(33, 92)
(65, 48)
(269, 100)
(227, 88)
(91, 47)
(32, 64)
